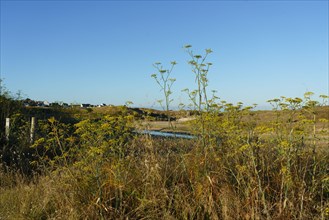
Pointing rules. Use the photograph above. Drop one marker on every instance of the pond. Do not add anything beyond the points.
(166, 134)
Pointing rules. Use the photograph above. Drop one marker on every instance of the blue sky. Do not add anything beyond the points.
(102, 51)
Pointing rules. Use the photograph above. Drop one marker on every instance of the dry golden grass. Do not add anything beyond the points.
(176, 126)
(243, 175)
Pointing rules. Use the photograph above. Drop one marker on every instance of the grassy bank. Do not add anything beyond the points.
(244, 165)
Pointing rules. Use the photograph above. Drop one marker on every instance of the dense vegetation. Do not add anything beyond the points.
(243, 164)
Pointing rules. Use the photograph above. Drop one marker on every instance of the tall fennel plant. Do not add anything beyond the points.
(162, 77)
(200, 68)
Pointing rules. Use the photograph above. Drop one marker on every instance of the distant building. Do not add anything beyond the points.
(85, 106)
(46, 103)
(29, 102)
(75, 105)
(40, 104)
(54, 104)
(101, 105)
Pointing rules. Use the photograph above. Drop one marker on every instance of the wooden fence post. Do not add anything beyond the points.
(33, 121)
(7, 128)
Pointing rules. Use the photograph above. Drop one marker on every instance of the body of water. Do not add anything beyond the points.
(166, 134)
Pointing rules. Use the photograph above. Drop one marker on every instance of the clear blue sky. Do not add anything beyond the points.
(102, 51)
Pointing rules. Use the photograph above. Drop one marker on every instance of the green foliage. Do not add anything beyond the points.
(107, 136)
(8, 106)
(55, 146)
